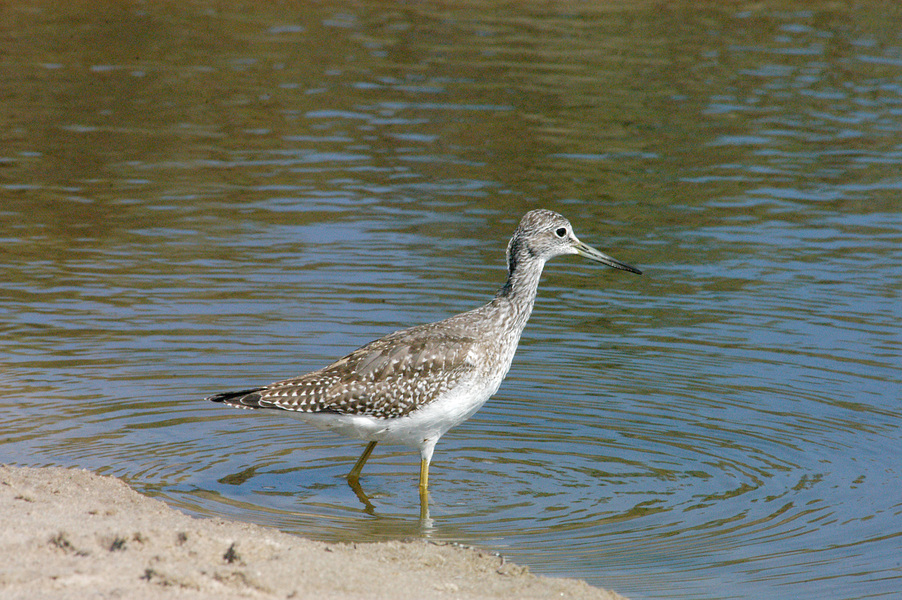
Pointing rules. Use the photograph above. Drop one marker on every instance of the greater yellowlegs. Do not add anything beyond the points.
(413, 385)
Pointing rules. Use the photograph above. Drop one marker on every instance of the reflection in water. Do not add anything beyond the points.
(195, 198)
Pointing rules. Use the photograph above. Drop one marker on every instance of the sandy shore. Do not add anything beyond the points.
(68, 533)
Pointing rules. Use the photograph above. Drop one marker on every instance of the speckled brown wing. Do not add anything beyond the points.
(387, 378)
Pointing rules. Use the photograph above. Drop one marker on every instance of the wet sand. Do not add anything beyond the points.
(69, 533)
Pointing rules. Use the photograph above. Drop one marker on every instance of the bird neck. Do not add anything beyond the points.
(522, 284)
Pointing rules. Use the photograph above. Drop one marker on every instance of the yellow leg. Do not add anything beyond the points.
(424, 488)
(424, 476)
(354, 475)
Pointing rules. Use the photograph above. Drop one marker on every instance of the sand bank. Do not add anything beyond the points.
(69, 533)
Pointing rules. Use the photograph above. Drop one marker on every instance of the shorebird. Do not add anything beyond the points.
(413, 385)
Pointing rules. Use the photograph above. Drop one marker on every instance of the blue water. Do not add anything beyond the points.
(222, 199)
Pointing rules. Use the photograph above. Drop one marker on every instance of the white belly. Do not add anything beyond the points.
(420, 428)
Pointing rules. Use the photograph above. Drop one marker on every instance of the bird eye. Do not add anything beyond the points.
(560, 232)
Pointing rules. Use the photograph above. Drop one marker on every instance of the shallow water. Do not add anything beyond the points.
(199, 199)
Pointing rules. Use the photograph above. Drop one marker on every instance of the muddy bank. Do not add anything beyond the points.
(69, 533)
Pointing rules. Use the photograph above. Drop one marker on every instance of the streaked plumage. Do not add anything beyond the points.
(413, 385)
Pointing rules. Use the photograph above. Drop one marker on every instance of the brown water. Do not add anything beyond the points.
(203, 197)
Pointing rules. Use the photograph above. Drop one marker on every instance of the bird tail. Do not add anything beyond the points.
(243, 399)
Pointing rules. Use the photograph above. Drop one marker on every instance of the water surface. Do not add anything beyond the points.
(199, 199)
